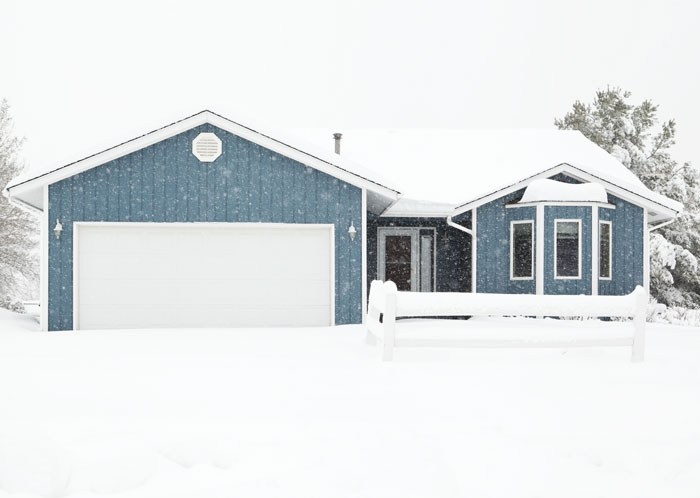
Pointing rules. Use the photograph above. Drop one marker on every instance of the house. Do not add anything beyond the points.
(207, 222)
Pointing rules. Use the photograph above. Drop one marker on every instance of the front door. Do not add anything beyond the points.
(406, 258)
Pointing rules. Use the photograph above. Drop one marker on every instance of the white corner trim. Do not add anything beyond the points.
(44, 265)
(331, 232)
(645, 252)
(595, 246)
(76, 274)
(539, 250)
(580, 237)
(610, 249)
(364, 254)
(475, 244)
(532, 247)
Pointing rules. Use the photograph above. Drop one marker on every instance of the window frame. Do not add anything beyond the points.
(580, 237)
(532, 248)
(610, 253)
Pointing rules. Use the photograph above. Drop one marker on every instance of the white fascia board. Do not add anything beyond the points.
(606, 205)
(205, 117)
(415, 214)
(24, 206)
(576, 173)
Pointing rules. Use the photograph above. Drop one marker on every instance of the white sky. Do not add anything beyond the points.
(81, 76)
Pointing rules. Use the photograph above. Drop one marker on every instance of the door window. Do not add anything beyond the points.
(397, 262)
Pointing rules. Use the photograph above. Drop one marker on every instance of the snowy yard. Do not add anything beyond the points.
(315, 413)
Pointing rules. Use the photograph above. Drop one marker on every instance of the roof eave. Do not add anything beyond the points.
(203, 117)
(575, 171)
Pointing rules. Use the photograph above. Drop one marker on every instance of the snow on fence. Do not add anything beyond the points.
(386, 301)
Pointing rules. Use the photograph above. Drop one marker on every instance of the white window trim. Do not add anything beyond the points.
(610, 253)
(532, 248)
(580, 236)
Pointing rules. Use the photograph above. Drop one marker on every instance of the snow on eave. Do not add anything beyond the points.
(416, 208)
(338, 167)
(547, 190)
(647, 198)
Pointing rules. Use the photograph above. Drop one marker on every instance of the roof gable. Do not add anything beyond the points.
(660, 207)
(462, 167)
(28, 189)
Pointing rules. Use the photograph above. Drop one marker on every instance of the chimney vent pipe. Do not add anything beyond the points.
(337, 137)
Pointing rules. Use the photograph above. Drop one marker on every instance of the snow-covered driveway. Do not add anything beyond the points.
(314, 413)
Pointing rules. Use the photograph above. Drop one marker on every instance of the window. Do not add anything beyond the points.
(567, 249)
(521, 253)
(605, 250)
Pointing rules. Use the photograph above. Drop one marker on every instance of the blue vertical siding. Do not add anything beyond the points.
(493, 246)
(166, 183)
(580, 285)
(627, 222)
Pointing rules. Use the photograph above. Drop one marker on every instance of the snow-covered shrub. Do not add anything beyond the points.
(675, 315)
(11, 304)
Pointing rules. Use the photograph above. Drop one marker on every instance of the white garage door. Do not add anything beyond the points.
(146, 275)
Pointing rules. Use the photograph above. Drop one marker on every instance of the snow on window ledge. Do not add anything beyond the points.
(544, 189)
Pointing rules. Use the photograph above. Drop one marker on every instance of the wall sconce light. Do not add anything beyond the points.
(58, 229)
(352, 232)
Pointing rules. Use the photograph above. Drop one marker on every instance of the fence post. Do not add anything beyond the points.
(640, 317)
(389, 323)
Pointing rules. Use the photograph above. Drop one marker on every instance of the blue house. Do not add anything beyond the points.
(207, 222)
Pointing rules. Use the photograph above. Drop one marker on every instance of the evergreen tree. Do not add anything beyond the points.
(633, 134)
(18, 263)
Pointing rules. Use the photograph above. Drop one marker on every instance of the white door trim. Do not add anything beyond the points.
(414, 233)
(77, 225)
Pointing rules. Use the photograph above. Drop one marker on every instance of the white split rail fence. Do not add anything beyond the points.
(385, 300)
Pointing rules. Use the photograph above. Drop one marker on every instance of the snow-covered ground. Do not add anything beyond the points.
(314, 413)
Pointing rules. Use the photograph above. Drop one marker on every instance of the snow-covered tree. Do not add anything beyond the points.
(633, 134)
(18, 264)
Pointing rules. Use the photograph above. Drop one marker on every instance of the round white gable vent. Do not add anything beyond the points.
(206, 147)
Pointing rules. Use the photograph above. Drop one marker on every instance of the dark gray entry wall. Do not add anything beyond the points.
(452, 250)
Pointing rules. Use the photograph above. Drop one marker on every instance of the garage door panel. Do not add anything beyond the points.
(161, 275)
(114, 266)
(257, 292)
(167, 316)
(128, 292)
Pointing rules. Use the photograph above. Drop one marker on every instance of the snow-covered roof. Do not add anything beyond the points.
(543, 189)
(452, 170)
(464, 166)
(27, 188)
